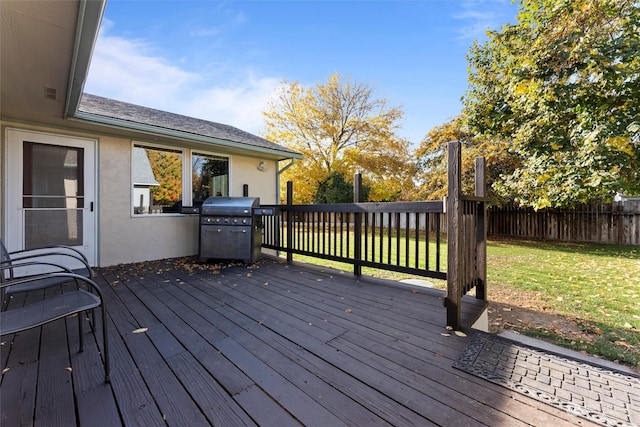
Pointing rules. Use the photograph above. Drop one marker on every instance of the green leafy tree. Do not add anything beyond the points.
(336, 189)
(431, 158)
(339, 126)
(562, 85)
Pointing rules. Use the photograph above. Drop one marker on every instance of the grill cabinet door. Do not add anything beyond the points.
(226, 242)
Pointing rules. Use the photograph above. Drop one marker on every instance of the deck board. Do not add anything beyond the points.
(264, 344)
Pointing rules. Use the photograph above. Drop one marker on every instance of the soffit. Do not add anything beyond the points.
(36, 50)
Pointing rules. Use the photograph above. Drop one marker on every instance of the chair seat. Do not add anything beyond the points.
(47, 310)
(44, 283)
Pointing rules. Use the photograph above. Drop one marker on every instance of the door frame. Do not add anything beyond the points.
(13, 217)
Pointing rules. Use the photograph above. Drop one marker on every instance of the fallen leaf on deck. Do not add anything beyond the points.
(348, 310)
(460, 334)
(140, 330)
(506, 309)
(414, 291)
(5, 370)
(445, 335)
(266, 283)
(449, 328)
(69, 369)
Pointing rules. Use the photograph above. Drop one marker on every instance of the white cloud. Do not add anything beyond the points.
(482, 15)
(130, 70)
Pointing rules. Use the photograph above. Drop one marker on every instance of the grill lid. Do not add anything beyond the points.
(229, 206)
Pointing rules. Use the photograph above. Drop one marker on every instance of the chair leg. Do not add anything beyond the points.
(81, 330)
(105, 345)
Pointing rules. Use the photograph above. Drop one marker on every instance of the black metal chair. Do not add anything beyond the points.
(56, 307)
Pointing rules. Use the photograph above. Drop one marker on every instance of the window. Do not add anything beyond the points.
(159, 178)
(209, 176)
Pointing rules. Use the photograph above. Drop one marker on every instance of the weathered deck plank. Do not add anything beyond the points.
(266, 344)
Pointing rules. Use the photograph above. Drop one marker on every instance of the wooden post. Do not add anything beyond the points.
(289, 222)
(454, 235)
(481, 229)
(357, 191)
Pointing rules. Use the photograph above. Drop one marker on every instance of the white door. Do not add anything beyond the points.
(50, 191)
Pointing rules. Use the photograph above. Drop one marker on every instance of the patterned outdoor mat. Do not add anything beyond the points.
(600, 395)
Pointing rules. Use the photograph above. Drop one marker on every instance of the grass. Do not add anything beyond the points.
(595, 286)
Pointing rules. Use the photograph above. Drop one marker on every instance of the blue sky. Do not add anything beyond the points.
(223, 60)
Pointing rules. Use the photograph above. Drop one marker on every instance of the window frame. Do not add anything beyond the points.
(187, 159)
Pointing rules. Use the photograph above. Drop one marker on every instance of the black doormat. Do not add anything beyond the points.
(603, 396)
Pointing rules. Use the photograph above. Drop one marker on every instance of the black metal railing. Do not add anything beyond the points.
(404, 237)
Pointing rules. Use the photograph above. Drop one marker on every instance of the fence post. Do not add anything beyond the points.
(481, 230)
(357, 247)
(454, 235)
(289, 222)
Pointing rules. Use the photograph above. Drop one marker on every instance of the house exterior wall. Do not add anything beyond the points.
(123, 237)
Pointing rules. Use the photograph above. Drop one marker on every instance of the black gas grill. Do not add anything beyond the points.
(230, 228)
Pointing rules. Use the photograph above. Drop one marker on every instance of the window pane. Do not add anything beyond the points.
(157, 180)
(53, 176)
(210, 176)
(52, 227)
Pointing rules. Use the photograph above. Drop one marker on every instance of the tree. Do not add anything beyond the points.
(339, 127)
(167, 169)
(336, 189)
(563, 86)
(431, 158)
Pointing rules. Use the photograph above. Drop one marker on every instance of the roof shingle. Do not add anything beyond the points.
(136, 114)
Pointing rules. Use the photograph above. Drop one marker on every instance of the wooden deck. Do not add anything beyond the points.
(266, 344)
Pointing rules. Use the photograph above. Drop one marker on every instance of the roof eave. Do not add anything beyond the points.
(90, 13)
(172, 133)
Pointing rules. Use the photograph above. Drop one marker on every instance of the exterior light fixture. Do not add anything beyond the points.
(262, 166)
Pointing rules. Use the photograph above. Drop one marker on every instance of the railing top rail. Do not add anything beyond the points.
(435, 206)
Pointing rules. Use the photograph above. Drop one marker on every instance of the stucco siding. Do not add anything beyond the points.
(244, 170)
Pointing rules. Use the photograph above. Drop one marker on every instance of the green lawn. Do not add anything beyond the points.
(597, 286)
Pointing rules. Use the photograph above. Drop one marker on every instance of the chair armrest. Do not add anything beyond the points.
(64, 247)
(58, 275)
(24, 256)
(12, 267)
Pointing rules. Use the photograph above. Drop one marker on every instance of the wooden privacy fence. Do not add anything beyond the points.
(407, 237)
(597, 224)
